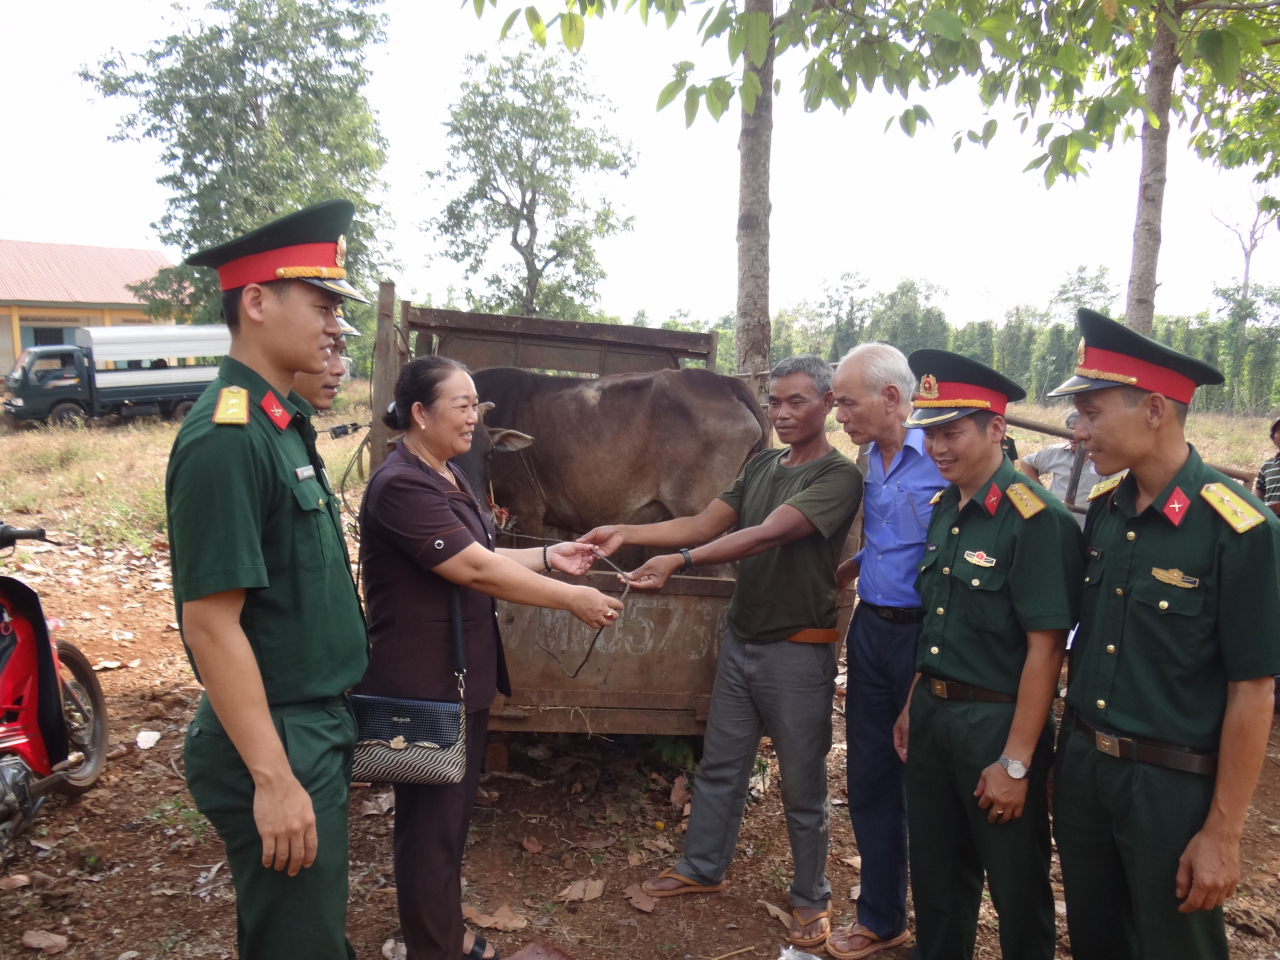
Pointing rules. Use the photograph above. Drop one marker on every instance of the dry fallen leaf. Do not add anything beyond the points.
(581, 890)
(379, 805)
(854, 891)
(47, 943)
(855, 862)
(599, 844)
(635, 858)
(502, 919)
(394, 950)
(532, 845)
(658, 845)
(14, 882)
(680, 794)
(639, 899)
(146, 739)
(782, 915)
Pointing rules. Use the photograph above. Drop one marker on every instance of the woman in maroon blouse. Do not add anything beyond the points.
(422, 529)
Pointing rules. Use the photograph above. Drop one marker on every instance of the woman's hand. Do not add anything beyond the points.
(654, 574)
(594, 608)
(572, 558)
(608, 539)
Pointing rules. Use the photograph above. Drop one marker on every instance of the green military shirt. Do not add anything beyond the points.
(250, 508)
(989, 575)
(1176, 605)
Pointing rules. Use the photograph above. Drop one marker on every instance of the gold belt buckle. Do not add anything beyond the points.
(1109, 745)
(939, 688)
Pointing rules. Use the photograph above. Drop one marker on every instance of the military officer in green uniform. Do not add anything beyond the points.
(999, 582)
(264, 594)
(1170, 697)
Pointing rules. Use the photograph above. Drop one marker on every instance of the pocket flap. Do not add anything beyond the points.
(929, 559)
(1169, 599)
(979, 578)
(310, 494)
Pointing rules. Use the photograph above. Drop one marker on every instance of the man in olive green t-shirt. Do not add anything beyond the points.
(793, 508)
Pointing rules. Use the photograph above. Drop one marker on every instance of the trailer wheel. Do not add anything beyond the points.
(67, 415)
(181, 409)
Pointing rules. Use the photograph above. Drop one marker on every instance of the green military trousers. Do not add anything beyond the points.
(279, 916)
(1121, 828)
(951, 842)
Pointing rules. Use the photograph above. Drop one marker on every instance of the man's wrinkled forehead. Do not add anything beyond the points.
(789, 386)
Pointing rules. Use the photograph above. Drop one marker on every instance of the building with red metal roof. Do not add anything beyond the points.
(49, 289)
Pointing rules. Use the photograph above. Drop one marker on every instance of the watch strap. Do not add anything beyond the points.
(688, 560)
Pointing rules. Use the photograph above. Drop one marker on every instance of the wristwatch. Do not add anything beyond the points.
(688, 560)
(1016, 769)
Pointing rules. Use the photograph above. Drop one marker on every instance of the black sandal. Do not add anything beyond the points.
(478, 948)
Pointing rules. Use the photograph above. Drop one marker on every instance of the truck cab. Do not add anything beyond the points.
(45, 378)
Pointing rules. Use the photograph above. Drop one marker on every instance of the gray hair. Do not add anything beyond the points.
(817, 369)
(884, 364)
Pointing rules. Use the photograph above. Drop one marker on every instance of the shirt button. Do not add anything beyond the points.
(1164, 604)
(1131, 535)
(1102, 704)
(955, 529)
(879, 558)
(946, 569)
(975, 581)
(1119, 592)
(941, 611)
(1111, 648)
(1086, 579)
(934, 651)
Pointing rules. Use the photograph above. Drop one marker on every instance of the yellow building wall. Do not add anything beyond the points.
(13, 318)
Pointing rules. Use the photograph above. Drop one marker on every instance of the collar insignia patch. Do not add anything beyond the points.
(1238, 512)
(979, 559)
(928, 387)
(1024, 500)
(1175, 508)
(992, 500)
(1104, 487)
(275, 411)
(233, 406)
(1175, 578)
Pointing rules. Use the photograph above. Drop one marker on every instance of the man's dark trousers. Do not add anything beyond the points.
(881, 655)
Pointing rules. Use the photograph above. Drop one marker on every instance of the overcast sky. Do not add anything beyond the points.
(847, 196)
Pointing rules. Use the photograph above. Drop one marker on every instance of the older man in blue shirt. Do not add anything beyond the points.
(873, 387)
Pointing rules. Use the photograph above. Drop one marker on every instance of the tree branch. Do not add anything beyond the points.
(1261, 5)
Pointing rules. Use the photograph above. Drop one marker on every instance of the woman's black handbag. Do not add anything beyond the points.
(414, 741)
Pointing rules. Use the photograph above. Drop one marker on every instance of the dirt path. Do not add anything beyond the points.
(132, 867)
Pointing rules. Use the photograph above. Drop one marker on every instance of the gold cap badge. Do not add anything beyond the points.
(340, 257)
(929, 387)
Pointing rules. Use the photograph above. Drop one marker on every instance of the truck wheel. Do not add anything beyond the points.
(67, 415)
(181, 409)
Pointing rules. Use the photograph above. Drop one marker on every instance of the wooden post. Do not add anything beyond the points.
(386, 368)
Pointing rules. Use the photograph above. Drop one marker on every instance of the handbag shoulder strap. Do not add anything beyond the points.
(459, 649)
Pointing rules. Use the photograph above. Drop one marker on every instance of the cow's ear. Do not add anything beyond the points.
(485, 407)
(508, 441)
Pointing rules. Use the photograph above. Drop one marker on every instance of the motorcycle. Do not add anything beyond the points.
(53, 717)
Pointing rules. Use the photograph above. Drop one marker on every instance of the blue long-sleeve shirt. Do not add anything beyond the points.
(896, 513)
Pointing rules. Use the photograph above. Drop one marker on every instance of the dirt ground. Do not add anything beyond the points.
(130, 870)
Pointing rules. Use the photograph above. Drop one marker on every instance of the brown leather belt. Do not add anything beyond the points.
(1150, 751)
(814, 635)
(951, 690)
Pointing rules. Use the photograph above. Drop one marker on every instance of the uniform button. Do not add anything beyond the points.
(975, 581)
(1164, 604)
(1086, 579)
(1131, 535)
(946, 569)
(955, 529)
(320, 502)
(941, 611)
(934, 651)
(1102, 704)
(1111, 648)
(1119, 591)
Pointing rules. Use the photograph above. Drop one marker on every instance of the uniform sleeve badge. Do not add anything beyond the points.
(1024, 500)
(1103, 487)
(1234, 509)
(233, 406)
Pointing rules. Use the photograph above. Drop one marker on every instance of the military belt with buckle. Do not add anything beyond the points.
(951, 690)
(895, 614)
(1167, 755)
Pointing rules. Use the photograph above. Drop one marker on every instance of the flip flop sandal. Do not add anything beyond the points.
(806, 942)
(874, 947)
(690, 886)
(478, 948)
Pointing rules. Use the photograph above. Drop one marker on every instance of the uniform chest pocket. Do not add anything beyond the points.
(315, 538)
(1169, 622)
(979, 597)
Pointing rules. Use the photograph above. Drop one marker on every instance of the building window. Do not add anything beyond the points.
(47, 336)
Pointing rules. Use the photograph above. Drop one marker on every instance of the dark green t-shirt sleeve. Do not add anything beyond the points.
(733, 496)
(832, 498)
(1047, 573)
(1249, 603)
(215, 516)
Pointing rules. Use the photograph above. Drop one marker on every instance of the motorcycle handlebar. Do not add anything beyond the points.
(11, 535)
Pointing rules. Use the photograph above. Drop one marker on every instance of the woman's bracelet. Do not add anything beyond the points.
(546, 564)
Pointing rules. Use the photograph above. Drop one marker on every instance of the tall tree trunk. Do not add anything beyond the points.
(1140, 307)
(755, 143)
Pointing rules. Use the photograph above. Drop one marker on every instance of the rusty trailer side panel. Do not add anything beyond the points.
(651, 672)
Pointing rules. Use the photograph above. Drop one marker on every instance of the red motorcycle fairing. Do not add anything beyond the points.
(32, 725)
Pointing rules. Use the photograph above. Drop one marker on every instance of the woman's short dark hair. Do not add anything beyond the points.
(419, 382)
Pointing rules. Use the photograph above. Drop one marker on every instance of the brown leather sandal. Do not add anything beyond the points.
(876, 945)
(690, 886)
(805, 943)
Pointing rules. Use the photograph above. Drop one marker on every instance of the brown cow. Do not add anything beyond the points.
(628, 448)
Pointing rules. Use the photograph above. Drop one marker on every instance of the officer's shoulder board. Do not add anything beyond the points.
(1238, 512)
(1103, 487)
(233, 406)
(936, 498)
(1024, 500)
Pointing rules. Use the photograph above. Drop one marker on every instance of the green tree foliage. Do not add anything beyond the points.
(977, 341)
(259, 109)
(524, 135)
(1083, 289)
(680, 320)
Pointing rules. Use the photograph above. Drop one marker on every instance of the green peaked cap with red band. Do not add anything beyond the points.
(1112, 355)
(952, 386)
(308, 245)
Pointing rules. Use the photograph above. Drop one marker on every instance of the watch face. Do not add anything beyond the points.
(1016, 769)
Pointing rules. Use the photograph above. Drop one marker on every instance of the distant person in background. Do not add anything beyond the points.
(1267, 486)
(1057, 459)
(321, 389)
